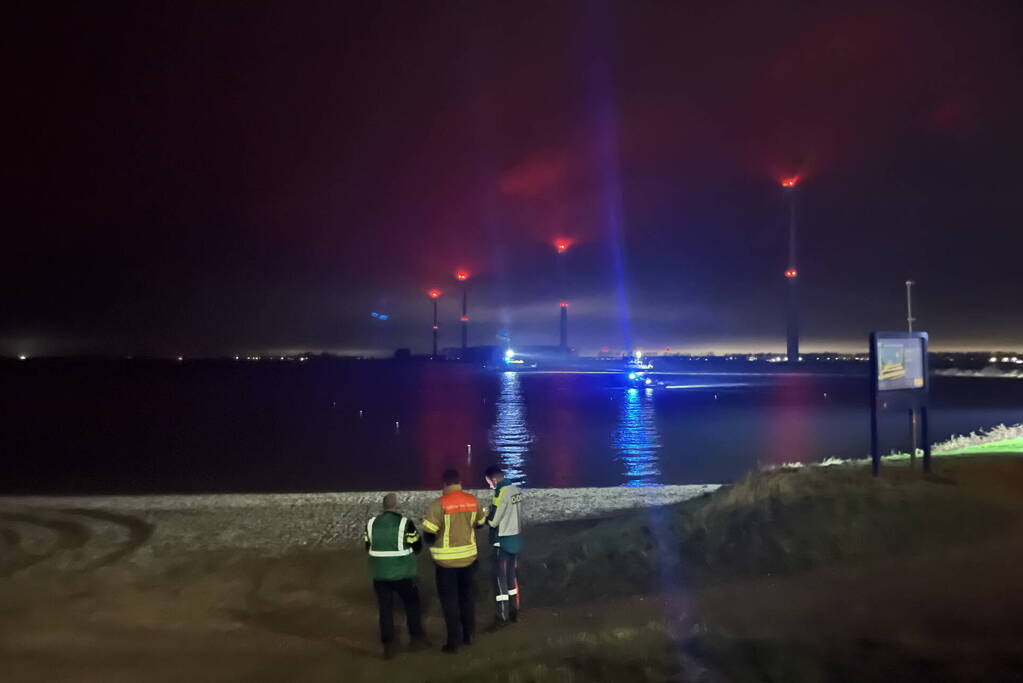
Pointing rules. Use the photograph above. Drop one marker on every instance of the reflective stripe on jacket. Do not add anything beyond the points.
(389, 539)
(454, 518)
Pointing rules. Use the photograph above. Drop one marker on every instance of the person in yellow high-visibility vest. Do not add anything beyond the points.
(392, 544)
(450, 529)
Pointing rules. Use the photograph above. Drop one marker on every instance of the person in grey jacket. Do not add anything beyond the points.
(505, 538)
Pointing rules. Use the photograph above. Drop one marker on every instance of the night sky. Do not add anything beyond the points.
(213, 178)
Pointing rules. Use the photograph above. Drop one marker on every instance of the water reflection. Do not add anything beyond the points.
(636, 440)
(510, 437)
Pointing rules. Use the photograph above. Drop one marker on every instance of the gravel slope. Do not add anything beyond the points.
(77, 531)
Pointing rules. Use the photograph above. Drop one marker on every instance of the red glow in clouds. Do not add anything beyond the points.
(536, 176)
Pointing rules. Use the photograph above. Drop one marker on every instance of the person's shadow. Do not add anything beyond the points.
(301, 596)
(310, 622)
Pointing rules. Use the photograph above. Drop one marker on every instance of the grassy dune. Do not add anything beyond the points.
(1014, 445)
(781, 522)
(820, 574)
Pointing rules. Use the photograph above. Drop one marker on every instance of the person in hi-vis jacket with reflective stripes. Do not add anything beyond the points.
(393, 542)
(450, 529)
(506, 542)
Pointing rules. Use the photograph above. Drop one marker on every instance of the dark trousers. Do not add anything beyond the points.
(458, 601)
(409, 594)
(506, 584)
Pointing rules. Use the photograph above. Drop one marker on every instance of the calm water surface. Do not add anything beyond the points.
(317, 426)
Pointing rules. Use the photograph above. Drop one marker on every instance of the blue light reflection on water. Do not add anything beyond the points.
(510, 438)
(636, 439)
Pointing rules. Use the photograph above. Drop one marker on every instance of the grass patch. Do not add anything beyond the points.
(788, 521)
(1004, 446)
(953, 531)
(778, 522)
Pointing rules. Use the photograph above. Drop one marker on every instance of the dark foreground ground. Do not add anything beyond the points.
(789, 576)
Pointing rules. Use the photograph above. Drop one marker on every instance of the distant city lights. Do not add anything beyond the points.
(638, 362)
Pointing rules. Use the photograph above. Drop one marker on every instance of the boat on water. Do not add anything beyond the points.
(637, 371)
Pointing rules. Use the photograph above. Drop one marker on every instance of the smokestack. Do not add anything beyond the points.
(792, 275)
(564, 324)
(560, 248)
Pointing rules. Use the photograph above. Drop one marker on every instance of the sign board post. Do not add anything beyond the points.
(898, 381)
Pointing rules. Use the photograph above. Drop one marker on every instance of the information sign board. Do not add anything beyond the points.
(898, 381)
(900, 362)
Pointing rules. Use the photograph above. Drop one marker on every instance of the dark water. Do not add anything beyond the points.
(164, 427)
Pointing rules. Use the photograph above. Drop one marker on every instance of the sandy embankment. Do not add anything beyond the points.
(84, 529)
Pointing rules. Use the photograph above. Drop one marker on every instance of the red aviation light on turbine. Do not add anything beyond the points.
(434, 293)
(465, 318)
(461, 276)
(790, 182)
(562, 245)
(564, 304)
(791, 273)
